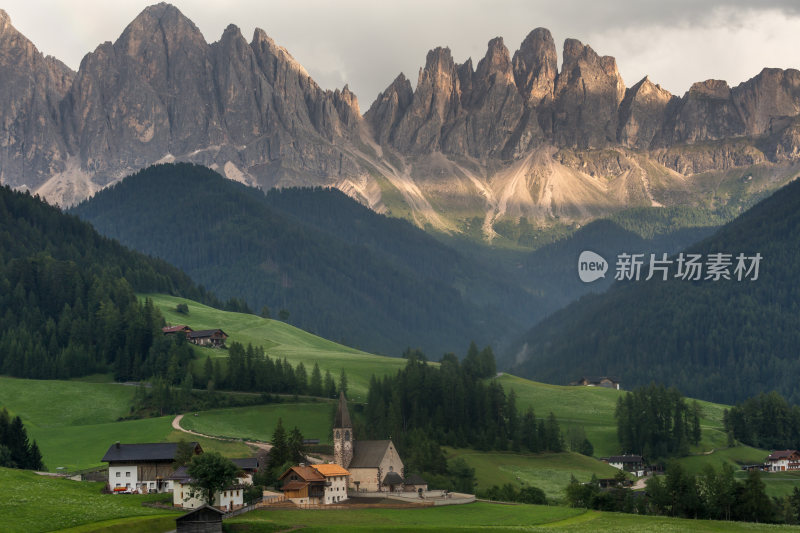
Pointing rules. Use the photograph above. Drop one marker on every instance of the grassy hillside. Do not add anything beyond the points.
(74, 423)
(314, 420)
(550, 472)
(30, 503)
(282, 340)
(479, 516)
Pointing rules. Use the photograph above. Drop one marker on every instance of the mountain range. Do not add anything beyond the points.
(511, 136)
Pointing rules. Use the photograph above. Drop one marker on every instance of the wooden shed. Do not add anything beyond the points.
(204, 519)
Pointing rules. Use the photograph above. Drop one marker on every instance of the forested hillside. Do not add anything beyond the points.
(345, 273)
(719, 340)
(67, 300)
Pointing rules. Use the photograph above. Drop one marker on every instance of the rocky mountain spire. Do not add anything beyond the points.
(536, 66)
(642, 114)
(390, 106)
(588, 93)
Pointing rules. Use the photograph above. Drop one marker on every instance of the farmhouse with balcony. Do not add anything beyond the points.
(629, 463)
(783, 461)
(316, 484)
(142, 467)
(214, 338)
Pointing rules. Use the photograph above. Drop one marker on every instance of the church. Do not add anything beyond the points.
(374, 465)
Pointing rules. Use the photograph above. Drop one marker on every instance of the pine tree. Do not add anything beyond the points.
(315, 386)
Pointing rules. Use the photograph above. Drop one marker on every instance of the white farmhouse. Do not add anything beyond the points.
(229, 499)
(142, 467)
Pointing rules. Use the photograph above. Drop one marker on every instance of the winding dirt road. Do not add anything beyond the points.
(176, 424)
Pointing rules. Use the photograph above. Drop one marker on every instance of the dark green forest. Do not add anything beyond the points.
(67, 301)
(456, 404)
(339, 269)
(718, 340)
(765, 421)
(656, 422)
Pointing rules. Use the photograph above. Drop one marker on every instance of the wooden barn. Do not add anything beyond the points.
(204, 519)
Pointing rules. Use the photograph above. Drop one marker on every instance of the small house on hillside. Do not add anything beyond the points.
(604, 381)
(204, 519)
(214, 338)
(783, 460)
(629, 463)
(172, 330)
(247, 466)
(228, 499)
(142, 467)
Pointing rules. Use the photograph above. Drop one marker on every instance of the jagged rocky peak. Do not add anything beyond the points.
(773, 93)
(159, 29)
(710, 89)
(642, 113)
(389, 107)
(588, 92)
(274, 54)
(496, 64)
(536, 66)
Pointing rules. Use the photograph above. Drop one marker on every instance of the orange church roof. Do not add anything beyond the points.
(331, 470)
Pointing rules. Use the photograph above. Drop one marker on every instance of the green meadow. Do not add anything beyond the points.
(478, 516)
(30, 503)
(550, 472)
(75, 422)
(281, 340)
(314, 420)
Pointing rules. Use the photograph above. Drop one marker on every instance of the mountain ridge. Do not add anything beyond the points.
(487, 140)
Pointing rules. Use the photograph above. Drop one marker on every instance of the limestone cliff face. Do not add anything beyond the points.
(31, 143)
(642, 114)
(510, 134)
(588, 93)
(161, 92)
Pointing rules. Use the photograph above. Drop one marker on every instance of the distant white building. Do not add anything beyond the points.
(142, 468)
(629, 463)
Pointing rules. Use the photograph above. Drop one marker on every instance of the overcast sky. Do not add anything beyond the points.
(366, 43)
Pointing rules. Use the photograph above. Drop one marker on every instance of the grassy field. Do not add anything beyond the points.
(282, 340)
(550, 472)
(593, 408)
(75, 422)
(314, 420)
(30, 503)
(478, 516)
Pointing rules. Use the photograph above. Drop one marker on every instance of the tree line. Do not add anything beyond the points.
(657, 422)
(16, 451)
(67, 298)
(712, 494)
(455, 404)
(764, 421)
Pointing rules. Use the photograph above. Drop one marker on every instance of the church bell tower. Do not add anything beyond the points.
(342, 434)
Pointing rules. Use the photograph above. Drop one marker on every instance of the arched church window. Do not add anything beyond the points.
(337, 435)
(347, 436)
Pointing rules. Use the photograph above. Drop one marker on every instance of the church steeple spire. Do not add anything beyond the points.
(342, 414)
(342, 434)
